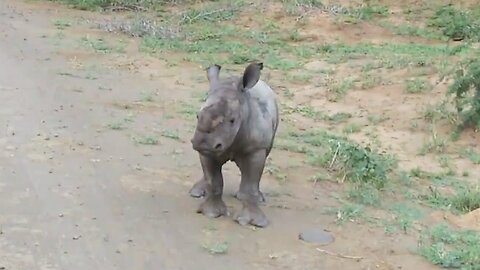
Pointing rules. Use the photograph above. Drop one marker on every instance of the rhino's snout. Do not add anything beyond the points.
(200, 144)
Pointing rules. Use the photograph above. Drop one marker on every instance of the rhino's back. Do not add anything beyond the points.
(263, 116)
(262, 95)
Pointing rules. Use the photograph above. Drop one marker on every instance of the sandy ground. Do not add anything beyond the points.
(76, 194)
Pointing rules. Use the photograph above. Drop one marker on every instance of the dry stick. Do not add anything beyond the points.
(334, 155)
(339, 255)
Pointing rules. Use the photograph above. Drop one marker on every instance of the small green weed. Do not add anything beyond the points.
(275, 171)
(352, 128)
(188, 110)
(410, 30)
(217, 248)
(339, 89)
(308, 111)
(366, 12)
(472, 155)
(416, 86)
(347, 212)
(364, 194)
(62, 24)
(404, 216)
(117, 125)
(147, 96)
(171, 134)
(339, 117)
(289, 145)
(98, 45)
(146, 140)
(376, 119)
(213, 12)
(297, 7)
(435, 143)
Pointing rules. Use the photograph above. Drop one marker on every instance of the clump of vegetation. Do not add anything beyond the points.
(456, 24)
(216, 248)
(466, 89)
(449, 248)
(295, 7)
(418, 86)
(465, 199)
(352, 161)
(120, 4)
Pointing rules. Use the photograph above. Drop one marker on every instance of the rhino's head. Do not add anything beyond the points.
(220, 117)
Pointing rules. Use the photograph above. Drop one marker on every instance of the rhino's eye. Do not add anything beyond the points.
(232, 120)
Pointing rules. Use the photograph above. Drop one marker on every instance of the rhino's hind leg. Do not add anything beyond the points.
(251, 167)
(200, 188)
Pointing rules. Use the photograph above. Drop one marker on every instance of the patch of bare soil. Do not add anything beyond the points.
(95, 197)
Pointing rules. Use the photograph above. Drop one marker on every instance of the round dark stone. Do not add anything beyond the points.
(318, 236)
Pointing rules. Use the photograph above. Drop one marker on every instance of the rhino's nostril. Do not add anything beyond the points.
(218, 146)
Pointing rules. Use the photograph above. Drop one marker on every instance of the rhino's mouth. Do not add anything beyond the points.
(207, 151)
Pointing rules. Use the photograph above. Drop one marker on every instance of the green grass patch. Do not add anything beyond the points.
(417, 85)
(351, 161)
(352, 128)
(449, 248)
(414, 31)
(213, 12)
(146, 140)
(456, 23)
(403, 217)
(216, 248)
(472, 155)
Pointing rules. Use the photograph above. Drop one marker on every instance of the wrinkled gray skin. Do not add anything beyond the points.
(237, 122)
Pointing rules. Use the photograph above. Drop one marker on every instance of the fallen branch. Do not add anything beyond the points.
(339, 255)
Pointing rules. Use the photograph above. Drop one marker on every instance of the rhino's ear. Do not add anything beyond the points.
(251, 75)
(213, 73)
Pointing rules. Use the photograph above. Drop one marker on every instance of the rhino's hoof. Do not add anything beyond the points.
(243, 197)
(252, 214)
(213, 208)
(199, 189)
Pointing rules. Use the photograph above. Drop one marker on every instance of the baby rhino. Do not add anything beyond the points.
(237, 122)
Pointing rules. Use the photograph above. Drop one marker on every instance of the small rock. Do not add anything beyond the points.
(77, 237)
(318, 236)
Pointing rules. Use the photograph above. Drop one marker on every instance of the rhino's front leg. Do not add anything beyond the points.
(251, 167)
(200, 188)
(213, 206)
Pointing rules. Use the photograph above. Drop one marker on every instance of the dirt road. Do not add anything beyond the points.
(76, 194)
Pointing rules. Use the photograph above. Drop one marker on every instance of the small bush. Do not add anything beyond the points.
(466, 88)
(456, 24)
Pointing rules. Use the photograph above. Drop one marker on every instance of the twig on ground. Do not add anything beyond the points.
(339, 255)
